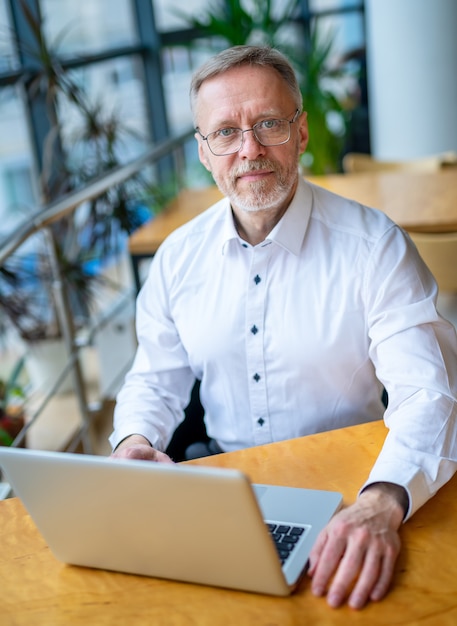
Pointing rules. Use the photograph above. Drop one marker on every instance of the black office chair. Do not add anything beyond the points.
(191, 430)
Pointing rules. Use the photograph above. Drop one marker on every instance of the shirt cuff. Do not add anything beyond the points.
(118, 435)
(406, 476)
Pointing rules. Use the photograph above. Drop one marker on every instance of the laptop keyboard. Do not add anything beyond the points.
(285, 537)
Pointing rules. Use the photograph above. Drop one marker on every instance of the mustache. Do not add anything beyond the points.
(254, 166)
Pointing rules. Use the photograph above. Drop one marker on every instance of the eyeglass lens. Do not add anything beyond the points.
(268, 133)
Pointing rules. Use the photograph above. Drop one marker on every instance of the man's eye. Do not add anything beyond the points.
(269, 124)
(226, 132)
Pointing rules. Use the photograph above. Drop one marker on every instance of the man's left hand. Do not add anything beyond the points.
(355, 555)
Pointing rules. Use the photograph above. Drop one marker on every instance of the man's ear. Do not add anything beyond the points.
(303, 130)
(201, 153)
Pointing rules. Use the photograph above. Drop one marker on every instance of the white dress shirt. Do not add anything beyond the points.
(298, 335)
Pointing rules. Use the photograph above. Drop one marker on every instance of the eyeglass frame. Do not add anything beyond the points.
(253, 129)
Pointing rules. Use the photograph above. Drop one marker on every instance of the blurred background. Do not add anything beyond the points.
(96, 138)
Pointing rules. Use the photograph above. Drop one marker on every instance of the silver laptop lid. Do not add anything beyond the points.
(186, 523)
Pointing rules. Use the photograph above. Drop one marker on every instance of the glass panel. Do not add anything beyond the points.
(88, 27)
(167, 12)
(178, 63)
(347, 31)
(7, 53)
(17, 194)
(348, 53)
(114, 88)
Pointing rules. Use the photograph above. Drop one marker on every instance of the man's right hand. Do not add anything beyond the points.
(138, 447)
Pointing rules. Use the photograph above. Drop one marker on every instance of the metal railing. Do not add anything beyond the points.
(41, 222)
(68, 203)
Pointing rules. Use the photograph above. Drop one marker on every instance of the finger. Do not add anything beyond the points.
(349, 569)
(376, 573)
(138, 452)
(161, 457)
(368, 577)
(387, 571)
(146, 453)
(327, 564)
(316, 551)
(141, 452)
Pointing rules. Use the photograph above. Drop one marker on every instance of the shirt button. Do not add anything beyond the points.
(254, 330)
(257, 279)
(256, 377)
(260, 421)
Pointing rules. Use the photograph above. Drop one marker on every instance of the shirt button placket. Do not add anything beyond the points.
(255, 314)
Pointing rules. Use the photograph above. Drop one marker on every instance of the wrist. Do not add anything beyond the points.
(389, 495)
(132, 440)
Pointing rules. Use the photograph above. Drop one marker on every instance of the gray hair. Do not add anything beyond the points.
(237, 56)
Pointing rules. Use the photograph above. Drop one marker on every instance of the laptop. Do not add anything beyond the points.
(181, 522)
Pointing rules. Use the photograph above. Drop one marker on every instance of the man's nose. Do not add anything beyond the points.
(251, 148)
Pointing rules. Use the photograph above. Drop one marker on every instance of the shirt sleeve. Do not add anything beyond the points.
(158, 386)
(414, 352)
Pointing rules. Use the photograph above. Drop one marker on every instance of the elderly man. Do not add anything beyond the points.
(295, 308)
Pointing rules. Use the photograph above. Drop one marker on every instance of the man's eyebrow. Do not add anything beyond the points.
(229, 123)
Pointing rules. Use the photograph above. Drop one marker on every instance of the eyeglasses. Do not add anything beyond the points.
(269, 132)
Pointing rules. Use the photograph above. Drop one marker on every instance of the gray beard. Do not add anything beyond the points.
(259, 199)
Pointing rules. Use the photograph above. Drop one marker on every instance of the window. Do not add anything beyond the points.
(89, 27)
(8, 60)
(168, 13)
(117, 86)
(17, 191)
(99, 45)
(134, 56)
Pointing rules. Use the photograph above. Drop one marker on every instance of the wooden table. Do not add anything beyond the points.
(419, 202)
(36, 589)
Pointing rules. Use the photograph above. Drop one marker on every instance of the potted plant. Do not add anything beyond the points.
(12, 396)
(83, 243)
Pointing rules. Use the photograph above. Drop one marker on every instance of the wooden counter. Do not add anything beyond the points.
(38, 590)
(417, 201)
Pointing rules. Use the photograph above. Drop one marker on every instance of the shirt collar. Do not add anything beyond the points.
(289, 232)
(229, 232)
